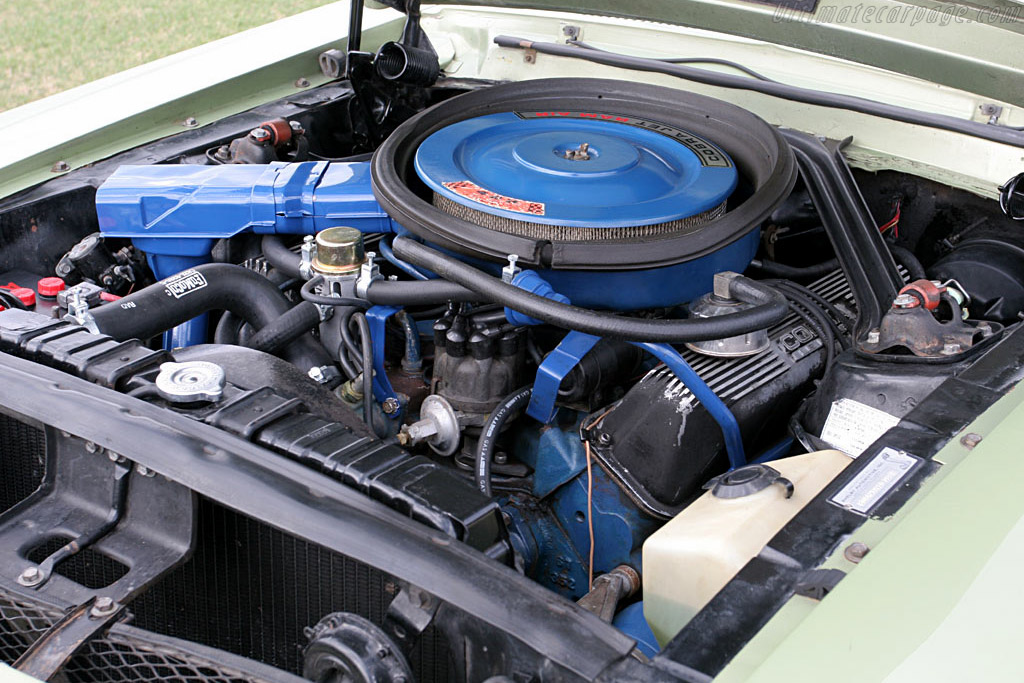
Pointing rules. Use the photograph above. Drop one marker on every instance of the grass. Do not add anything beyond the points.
(53, 45)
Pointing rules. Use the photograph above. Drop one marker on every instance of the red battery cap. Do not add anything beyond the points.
(26, 295)
(49, 286)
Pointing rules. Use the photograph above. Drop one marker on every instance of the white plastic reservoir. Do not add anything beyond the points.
(690, 559)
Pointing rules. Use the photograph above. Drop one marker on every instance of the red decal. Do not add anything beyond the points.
(474, 192)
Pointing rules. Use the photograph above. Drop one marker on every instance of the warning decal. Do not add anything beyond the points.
(473, 192)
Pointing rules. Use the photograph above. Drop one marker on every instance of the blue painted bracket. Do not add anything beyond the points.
(553, 370)
(377, 317)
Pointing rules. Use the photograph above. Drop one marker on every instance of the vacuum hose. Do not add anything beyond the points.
(770, 307)
(213, 286)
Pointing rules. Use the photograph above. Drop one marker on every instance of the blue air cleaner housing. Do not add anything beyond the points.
(623, 196)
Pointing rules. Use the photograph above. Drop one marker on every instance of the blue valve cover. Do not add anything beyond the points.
(520, 166)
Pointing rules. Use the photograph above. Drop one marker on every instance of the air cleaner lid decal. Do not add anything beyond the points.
(708, 153)
(473, 192)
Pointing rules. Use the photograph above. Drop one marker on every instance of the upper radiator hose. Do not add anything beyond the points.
(214, 286)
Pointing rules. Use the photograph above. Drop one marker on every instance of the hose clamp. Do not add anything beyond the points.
(368, 273)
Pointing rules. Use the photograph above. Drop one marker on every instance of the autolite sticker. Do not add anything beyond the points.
(475, 193)
(185, 282)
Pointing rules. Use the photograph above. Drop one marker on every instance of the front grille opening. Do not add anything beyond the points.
(88, 567)
(250, 589)
(21, 624)
(22, 461)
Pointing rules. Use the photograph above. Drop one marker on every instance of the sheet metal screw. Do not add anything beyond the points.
(855, 552)
(970, 440)
(60, 167)
(190, 122)
(391, 405)
(31, 577)
(103, 607)
(302, 82)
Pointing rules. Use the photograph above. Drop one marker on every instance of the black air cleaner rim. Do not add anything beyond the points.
(763, 159)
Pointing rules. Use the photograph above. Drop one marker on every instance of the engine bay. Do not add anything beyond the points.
(610, 335)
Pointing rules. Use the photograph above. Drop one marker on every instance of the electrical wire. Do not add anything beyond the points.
(590, 493)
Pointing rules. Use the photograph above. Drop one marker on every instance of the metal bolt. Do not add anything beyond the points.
(855, 552)
(317, 375)
(296, 126)
(951, 349)
(60, 167)
(144, 471)
(103, 606)
(604, 438)
(391, 405)
(571, 31)
(30, 577)
(91, 447)
(260, 135)
(190, 122)
(114, 457)
(970, 439)
(905, 301)
(874, 336)
(500, 458)
(302, 82)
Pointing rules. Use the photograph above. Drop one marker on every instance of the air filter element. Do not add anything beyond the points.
(622, 195)
(575, 176)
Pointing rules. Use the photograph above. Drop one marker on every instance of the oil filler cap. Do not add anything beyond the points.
(746, 481)
(190, 382)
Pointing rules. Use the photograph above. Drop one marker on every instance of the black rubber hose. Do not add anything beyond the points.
(8, 300)
(782, 270)
(977, 129)
(307, 293)
(210, 287)
(508, 407)
(280, 257)
(418, 293)
(906, 258)
(770, 307)
(367, 352)
(297, 321)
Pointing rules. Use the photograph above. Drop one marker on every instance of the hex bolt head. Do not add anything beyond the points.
(190, 122)
(951, 349)
(296, 126)
(60, 167)
(855, 552)
(391, 405)
(31, 576)
(92, 447)
(970, 439)
(260, 135)
(604, 439)
(103, 606)
(874, 336)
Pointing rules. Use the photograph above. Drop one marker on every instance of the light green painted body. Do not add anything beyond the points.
(936, 599)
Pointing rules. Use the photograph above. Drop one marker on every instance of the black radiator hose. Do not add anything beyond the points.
(210, 287)
(770, 307)
(279, 256)
(299, 319)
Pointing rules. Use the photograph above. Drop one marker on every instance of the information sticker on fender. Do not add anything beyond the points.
(185, 282)
(883, 473)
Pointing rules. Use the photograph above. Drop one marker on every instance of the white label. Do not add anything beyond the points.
(185, 282)
(875, 481)
(852, 426)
